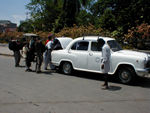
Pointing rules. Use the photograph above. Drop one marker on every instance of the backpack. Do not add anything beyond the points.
(12, 45)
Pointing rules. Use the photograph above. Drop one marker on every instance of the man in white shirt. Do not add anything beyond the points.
(47, 57)
(105, 61)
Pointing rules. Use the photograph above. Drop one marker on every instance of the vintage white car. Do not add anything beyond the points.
(83, 54)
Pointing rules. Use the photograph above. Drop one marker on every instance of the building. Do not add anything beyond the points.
(7, 26)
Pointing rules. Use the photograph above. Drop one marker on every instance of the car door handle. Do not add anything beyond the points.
(91, 54)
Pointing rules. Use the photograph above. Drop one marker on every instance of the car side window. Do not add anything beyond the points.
(80, 46)
(95, 47)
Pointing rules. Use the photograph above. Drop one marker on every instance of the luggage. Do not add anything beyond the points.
(12, 45)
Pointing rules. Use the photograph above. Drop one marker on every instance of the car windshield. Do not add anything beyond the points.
(114, 45)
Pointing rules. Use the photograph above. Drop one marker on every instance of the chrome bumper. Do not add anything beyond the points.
(143, 72)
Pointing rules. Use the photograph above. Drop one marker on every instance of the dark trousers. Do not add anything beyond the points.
(17, 57)
(106, 79)
(29, 59)
(39, 59)
(28, 63)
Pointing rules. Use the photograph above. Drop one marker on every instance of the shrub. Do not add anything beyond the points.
(138, 37)
(5, 37)
(77, 31)
(73, 32)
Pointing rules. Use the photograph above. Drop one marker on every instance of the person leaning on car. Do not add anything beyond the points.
(105, 61)
(47, 54)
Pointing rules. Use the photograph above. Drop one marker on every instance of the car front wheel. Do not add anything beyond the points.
(67, 68)
(126, 75)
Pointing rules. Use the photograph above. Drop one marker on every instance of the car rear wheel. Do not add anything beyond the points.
(126, 75)
(67, 68)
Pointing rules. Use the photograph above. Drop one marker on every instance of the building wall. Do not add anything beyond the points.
(7, 26)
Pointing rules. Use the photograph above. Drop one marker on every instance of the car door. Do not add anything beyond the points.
(79, 54)
(94, 57)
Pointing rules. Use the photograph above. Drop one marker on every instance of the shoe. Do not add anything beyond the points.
(28, 70)
(38, 71)
(45, 68)
(105, 87)
(17, 65)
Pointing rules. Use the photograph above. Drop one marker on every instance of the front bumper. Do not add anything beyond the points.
(143, 72)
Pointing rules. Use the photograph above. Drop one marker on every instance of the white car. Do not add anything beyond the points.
(83, 54)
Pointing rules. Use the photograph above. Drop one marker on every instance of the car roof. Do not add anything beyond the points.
(89, 38)
(93, 38)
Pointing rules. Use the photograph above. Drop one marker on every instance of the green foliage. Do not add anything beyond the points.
(26, 27)
(43, 13)
(121, 13)
(107, 20)
(84, 18)
(54, 15)
(48, 15)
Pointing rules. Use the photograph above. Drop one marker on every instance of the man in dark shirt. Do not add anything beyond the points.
(39, 50)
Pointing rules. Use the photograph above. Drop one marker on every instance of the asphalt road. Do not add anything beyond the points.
(51, 92)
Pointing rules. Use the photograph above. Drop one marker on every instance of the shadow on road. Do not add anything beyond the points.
(48, 72)
(140, 81)
(114, 88)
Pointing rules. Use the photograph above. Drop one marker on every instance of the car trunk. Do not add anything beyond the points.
(62, 42)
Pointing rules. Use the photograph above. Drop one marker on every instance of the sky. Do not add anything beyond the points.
(13, 10)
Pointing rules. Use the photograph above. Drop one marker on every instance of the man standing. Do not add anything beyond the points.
(15, 46)
(17, 54)
(39, 49)
(105, 61)
(30, 54)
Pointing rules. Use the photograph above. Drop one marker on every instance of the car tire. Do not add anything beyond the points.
(66, 68)
(126, 75)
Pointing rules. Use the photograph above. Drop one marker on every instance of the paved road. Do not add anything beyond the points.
(4, 50)
(50, 92)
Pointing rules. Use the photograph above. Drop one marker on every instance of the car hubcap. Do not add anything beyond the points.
(125, 75)
(67, 68)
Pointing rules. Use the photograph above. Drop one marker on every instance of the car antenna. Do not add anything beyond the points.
(98, 38)
(83, 37)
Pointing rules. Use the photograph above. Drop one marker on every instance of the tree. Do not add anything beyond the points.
(71, 8)
(126, 13)
(44, 12)
(26, 27)
(84, 18)
(107, 20)
(53, 15)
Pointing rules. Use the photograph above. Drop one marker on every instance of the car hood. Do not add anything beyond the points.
(133, 53)
(64, 41)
